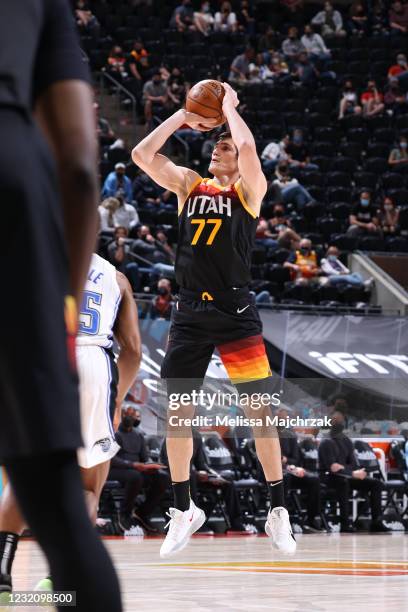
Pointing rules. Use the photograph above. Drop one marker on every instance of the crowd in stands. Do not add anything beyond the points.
(323, 88)
(323, 473)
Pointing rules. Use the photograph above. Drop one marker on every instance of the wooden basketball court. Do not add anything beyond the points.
(329, 573)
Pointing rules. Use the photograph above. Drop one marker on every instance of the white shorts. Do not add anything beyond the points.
(98, 381)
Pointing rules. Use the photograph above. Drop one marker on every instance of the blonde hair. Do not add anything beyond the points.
(111, 204)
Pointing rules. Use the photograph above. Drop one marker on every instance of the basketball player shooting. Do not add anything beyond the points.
(108, 310)
(217, 223)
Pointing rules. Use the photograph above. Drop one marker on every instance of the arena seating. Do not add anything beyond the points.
(351, 154)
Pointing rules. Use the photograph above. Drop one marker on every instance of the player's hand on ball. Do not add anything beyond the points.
(197, 122)
(230, 97)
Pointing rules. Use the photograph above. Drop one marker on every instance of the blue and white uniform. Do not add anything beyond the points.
(96, 364)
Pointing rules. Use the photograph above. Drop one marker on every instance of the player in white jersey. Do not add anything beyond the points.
(108, 311)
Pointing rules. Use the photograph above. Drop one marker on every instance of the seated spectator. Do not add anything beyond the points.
(315, 46)
(295, 476)
(399, 155)
(388, 216)
(267, 42)
(156, 251)
(290, 188)
(273, 153)
(398, 18)
(120, 256)
(394, 100)
(304, 71)
(358, 18)
(162, 304)
(342, 473)
(176, 88)
(372, 100)
(349, 101)
(138, 62)
(298, 152)
(261, 69)
(363, 219)
(239, 71)
(131, 467)
(263, 236)
(246, 18)
(117, 180)
(398, 68)
(337, 273)
(114, 212)
(204, 19)
(146, 192)
(291, 46)
(104, 131)
(183, 17)
(116, 65)
(279, 221)
(279, 69)
(155, 96)
(225, 19)
(330, 20)
(292, 12)
(86, 21)
(304, 263)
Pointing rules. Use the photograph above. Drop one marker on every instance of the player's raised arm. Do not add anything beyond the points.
(127, 334)
(159, 167)
(249, 165)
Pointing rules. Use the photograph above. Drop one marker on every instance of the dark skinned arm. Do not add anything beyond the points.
(65, 114)
(127, 334)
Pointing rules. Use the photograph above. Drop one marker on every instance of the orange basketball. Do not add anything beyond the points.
(205, 99)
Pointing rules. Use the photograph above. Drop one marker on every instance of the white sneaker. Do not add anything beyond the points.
(181, 526)
(278, 528)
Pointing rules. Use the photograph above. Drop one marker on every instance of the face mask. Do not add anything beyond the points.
(401, 62)
(336, 429)
(332, 257)
(403, 145)
(364, 202)
(304, 250)
(388, 207)
(297, 139)
(278, 213)
(136, 422)
(163, 291)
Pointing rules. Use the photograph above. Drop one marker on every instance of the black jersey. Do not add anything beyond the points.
(38, 46)
(216, 237)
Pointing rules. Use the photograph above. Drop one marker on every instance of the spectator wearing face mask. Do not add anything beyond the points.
(388, 216)
(337, 273)
(399, 155)
(363, 219)
(273, 153)
(132, 468)
(315, 46)
(304, 263)
(226, 19)
(290, 189)
(204, 19)
(372, 100)
(330, 20)
(341, 472)
(117, 180)
(292, 47)
(349, 101)
(298, 152)
(162, 304)
(399, 67)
